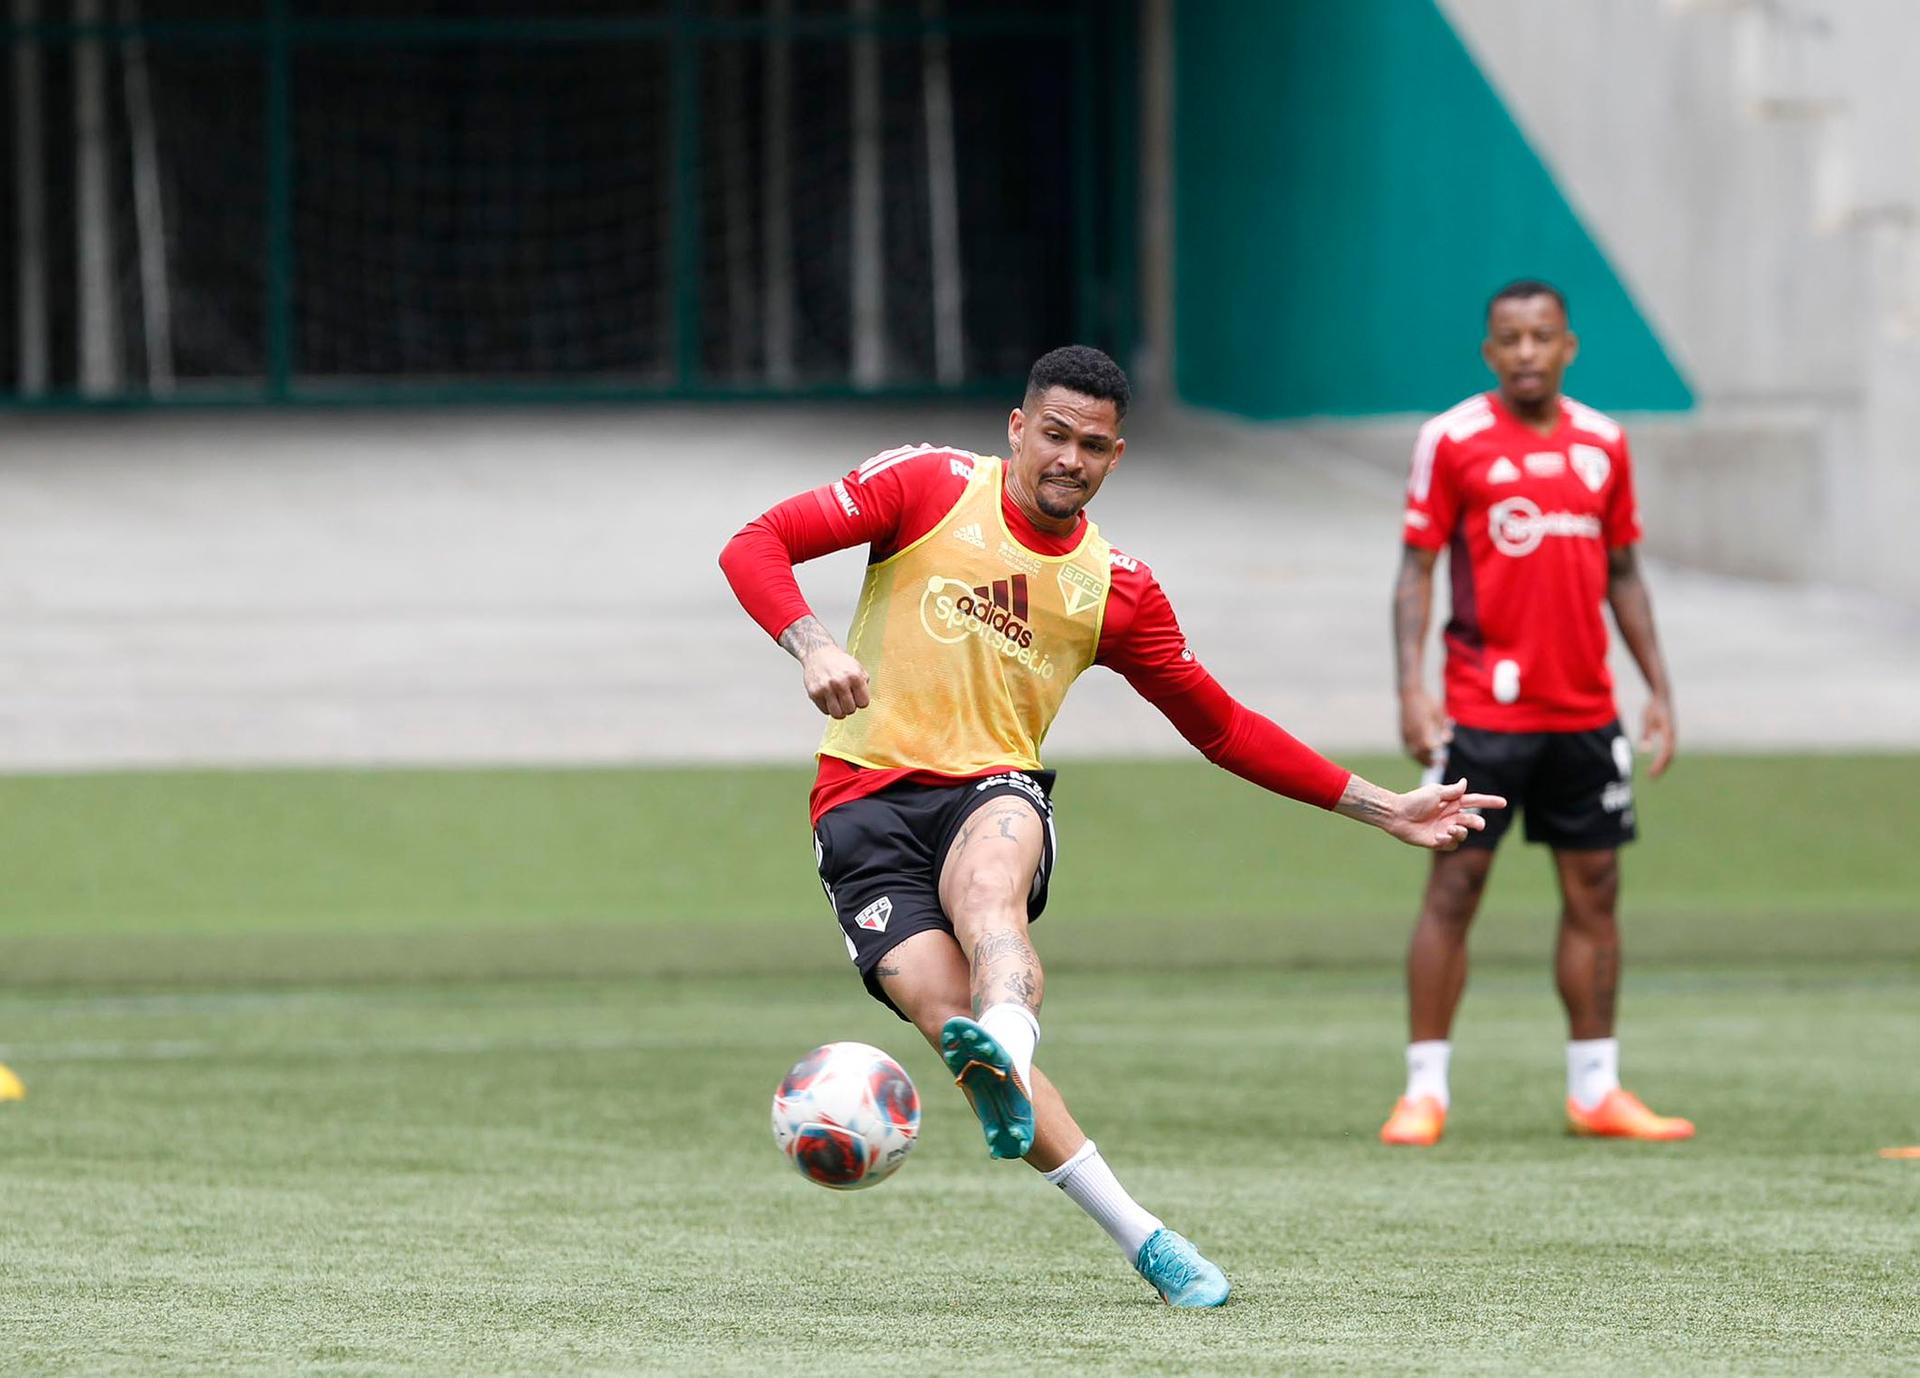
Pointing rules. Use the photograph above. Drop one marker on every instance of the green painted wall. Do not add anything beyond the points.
(1348, 191)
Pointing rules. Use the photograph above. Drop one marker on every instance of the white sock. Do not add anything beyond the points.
(1427, 1069)
(1593, 1069)
(1014, 1028)
(1090, 1184)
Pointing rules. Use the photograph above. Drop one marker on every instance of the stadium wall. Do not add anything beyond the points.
(1729, 191)
(1754, 170)
(1348, 192)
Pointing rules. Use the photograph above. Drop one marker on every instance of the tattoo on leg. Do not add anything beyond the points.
(1005, 969)
(1606, 981)
(1005, 943)
(884, 970)
(1022, 987)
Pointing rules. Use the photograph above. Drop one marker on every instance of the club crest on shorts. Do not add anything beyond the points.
(875, 915)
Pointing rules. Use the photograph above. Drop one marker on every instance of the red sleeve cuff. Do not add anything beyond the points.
(1261, 751)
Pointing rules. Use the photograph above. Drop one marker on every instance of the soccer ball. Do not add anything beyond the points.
(846, 1116)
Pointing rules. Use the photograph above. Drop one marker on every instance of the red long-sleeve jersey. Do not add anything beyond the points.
(896, 498)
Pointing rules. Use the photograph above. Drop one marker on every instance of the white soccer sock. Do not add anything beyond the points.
(1090, 1184)
(1427, 1063)
(1593, 1069)
(1014, 1028)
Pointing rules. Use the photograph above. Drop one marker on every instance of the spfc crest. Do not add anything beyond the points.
(1083, 591)
(1592, 464)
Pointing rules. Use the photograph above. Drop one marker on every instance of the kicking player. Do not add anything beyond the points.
(1531, 495)
(988, 591)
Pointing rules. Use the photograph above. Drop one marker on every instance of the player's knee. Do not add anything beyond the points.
(1454, 895)
(986, 897)
(1592, 891)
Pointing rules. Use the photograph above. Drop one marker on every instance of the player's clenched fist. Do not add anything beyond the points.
(835, 681)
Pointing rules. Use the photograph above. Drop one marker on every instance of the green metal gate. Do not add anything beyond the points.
(318, 201)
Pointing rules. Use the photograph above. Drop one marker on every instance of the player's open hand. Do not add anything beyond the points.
(1423, 726)
(835, 681)
(1656, 735)
(1439, 817)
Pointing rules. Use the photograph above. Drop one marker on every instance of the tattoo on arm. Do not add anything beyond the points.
(1363, 800)
(1633, 614)
(1622, 563)
(804, 636)
(1412, 598)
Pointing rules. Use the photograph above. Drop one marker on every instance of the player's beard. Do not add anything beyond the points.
(1056, 501)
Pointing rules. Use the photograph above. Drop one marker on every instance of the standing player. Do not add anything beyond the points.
(988, 591)
(1532, 496)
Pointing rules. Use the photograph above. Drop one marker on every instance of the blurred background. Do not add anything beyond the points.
(396, 810)
(379, 381)
(381, 378)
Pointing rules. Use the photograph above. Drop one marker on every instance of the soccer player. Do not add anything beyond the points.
(988, 591)
(1531, 495)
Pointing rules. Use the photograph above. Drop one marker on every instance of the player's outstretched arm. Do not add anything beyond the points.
(834, 680)
(1437, 817)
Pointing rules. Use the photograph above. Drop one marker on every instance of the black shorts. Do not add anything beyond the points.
(880, 859)
(1576, 788)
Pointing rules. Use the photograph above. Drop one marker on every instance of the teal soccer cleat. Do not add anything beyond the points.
(982, 1069)
(1178, 1272)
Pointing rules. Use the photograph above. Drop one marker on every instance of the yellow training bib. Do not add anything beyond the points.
(970, 642)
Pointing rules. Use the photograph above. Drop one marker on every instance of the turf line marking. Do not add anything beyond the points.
(180, 1049)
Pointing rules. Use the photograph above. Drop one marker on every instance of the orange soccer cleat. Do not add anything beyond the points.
(1620, 1115)
(1418, 1122)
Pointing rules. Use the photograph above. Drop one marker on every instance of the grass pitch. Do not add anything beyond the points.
(469, 1074)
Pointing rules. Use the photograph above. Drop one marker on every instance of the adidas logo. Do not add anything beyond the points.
(1503, 470)
(970, 533)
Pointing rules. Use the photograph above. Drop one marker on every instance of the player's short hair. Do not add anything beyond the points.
(1082, 369)
(1523, 288)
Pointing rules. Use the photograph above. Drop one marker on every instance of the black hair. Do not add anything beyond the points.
(1082, 369)
(1523, 288)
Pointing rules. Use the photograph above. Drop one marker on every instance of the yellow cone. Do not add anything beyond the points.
(11, 1087)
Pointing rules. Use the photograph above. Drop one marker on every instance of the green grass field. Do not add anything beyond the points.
(468, 1073)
